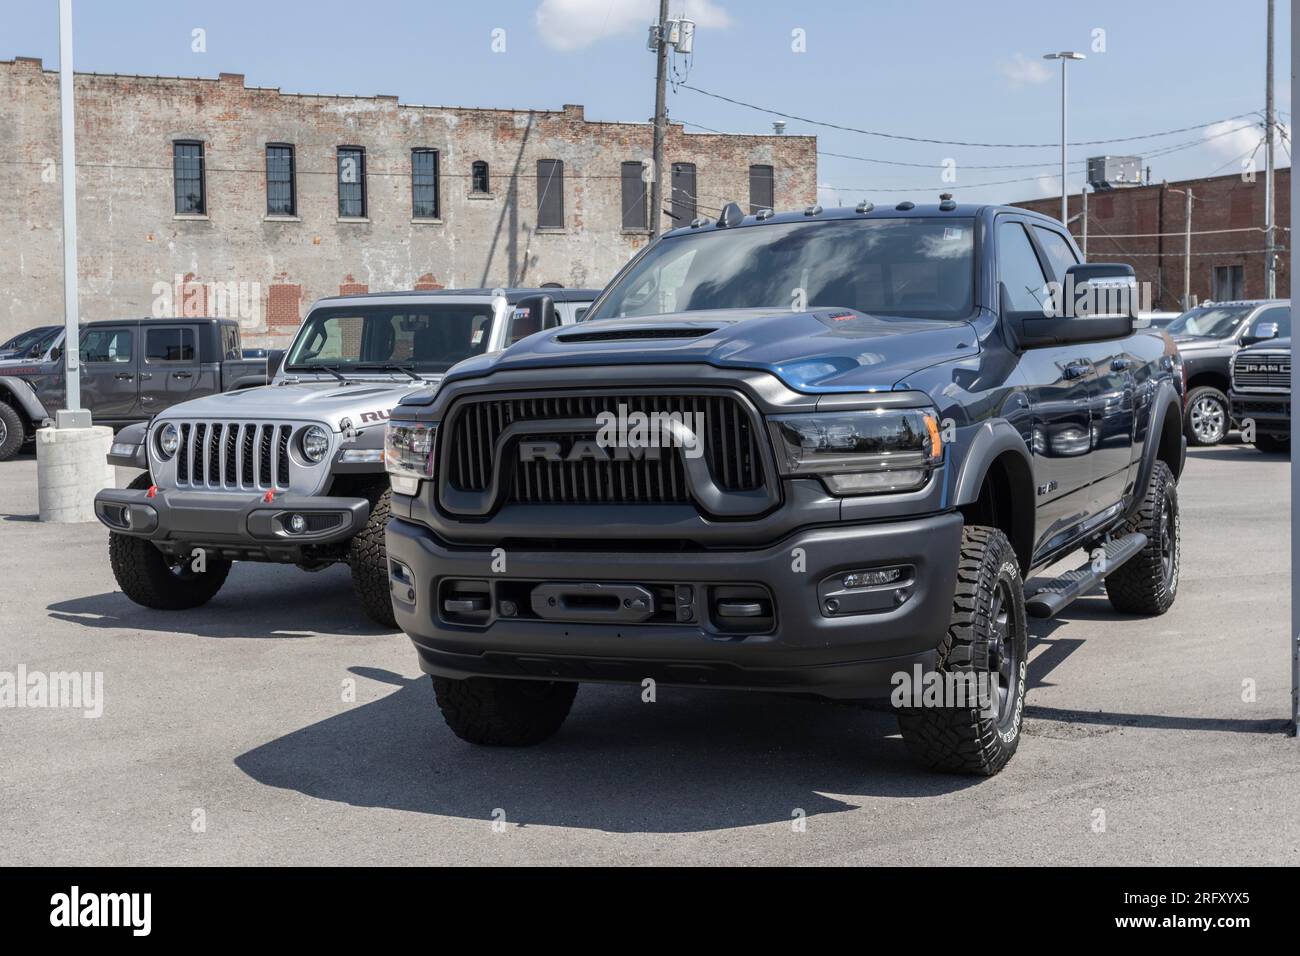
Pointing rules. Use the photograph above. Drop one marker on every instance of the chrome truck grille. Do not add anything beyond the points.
(233, 456)
(730, 449)
(1260, 370)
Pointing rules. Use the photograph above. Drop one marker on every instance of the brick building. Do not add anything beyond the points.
(1144, 226)
(208, 196)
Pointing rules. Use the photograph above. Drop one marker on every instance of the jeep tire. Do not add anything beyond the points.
(154, 580)
(988, 638)
(502, 712)
(1147, 583)
(368, 559)
(1208, 416)
(13, 431)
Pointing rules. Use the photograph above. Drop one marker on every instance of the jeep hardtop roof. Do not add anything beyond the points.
(150, 320)
(512, 295)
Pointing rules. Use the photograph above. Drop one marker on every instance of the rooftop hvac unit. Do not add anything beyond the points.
(1114, 172)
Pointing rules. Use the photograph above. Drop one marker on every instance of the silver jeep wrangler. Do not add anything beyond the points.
(293, 472)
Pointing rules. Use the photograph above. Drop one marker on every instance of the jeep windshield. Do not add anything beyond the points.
(1211, 322)
(919, 268)
(425, 339)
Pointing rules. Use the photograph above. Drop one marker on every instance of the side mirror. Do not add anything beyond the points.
(274, 359)
(1263, 332)
(56, 353)
(531, 314)
(1097, 301)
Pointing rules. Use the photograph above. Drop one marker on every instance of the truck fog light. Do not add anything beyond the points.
(315, 443)
(297, 524)
(866, 579)
(903, 479)
(169, 439)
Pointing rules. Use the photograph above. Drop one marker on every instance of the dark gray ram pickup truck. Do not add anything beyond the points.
(815, 452)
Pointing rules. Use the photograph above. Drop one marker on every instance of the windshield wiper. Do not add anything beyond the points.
(333, 370)
(393, 368)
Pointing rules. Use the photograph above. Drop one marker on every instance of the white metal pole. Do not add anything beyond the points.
(1270, 120)
(1065, 187)
(1187, 253)
(1295, 472)
(71, 311)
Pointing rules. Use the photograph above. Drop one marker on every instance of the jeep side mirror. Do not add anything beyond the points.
(56, 353)
(1262, 333)
(532, 313)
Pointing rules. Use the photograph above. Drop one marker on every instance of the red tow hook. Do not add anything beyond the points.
(153, 492)
(269, 497)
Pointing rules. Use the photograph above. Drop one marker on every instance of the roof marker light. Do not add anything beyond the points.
(905, 205)
(865, 206)
(814, 210)
(764, 214)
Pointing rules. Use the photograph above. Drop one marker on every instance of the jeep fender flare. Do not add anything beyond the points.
(132, 435)
(22, 397)
(1166, 402)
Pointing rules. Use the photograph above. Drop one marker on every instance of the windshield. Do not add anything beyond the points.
(921, 268)
(24, 340)
(1211, 322)
(425, 338)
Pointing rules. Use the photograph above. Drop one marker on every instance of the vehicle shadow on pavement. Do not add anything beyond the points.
(258, 601)
(694, 760)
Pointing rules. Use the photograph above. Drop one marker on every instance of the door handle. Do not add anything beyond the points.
(1076, 369)
(182, 374)
(124, 376)
(1119, 364)
(145, 375)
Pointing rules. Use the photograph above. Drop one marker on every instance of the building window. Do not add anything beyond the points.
(683, 203)
(634, 216)
(352, 182)
(187, 172)
(550, 194)
(478, 177)
(1228, 284)
(424, 183)
(762, 188)
(281, 194)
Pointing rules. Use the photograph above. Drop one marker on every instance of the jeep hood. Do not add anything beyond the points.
(318, 401)
(825, 349)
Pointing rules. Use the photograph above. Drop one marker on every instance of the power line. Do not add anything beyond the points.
(951, 142)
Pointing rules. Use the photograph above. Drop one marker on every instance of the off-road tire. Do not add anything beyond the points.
(1198, 399)
(967, 739)
(1273, 444)
(151, 579)
(368, 559)
(1147, 583)
(500, 712)
(13, 432)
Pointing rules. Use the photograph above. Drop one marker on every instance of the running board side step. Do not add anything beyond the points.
(1056, 593)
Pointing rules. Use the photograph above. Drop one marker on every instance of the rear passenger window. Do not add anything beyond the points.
(106, 345)
(169, 345)
(1019, 270)
(1058, 249)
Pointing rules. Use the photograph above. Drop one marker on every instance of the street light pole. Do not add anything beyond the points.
(72, 415)
(1064, 56)
(661, 77)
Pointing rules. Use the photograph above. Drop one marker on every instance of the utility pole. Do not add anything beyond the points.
(1064, 56)
(1083, 195)
(1187, 253)
(661, 120)
(1270, 120)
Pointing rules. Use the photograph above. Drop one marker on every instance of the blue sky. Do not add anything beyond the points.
(926, 68)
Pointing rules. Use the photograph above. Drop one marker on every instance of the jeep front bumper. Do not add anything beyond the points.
(232, 526)
(776, 618)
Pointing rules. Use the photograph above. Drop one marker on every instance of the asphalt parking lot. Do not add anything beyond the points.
(227, 736)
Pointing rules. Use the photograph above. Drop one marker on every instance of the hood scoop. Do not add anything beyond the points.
(628, 335)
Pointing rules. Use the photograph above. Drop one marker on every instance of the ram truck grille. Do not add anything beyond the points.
(233, 456)
(642, 476)
(1262, 370)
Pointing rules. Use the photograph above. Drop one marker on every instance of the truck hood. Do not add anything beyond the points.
(327, 402)
(1192, 343)
(825, 349)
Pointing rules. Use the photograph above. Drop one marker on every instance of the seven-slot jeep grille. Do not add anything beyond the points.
(640, 476)
(233, 456)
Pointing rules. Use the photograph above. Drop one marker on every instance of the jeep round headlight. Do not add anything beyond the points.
(315, 443)
(169, 439)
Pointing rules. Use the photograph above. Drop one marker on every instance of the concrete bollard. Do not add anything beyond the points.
(71, 467)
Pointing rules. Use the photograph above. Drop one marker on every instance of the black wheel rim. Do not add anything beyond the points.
(1167, 542)
(1003, 651)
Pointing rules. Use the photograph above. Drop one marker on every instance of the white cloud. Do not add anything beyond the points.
(568, 25)
(1021, 70)
(1237, 138)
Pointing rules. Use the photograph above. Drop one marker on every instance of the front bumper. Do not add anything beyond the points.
(1271, 411)
(237, 527)
(601, 629)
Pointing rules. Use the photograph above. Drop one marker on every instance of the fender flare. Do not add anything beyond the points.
(24, 398)
(132, 435)
(1166, 398)
(990, 440)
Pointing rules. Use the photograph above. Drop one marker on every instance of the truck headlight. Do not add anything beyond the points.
(169, 439)
(860, 452)
(408, 454)
(315, 443)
